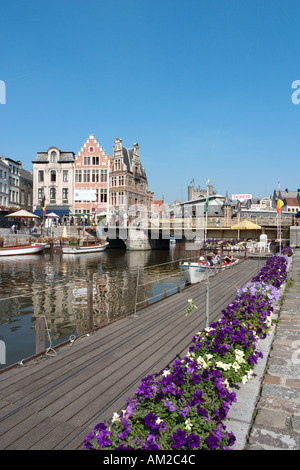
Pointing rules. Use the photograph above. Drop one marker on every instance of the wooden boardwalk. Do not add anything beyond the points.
(53, 402)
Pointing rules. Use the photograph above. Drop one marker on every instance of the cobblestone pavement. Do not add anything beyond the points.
(276, 419)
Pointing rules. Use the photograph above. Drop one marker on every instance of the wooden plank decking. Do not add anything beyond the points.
(53, 402)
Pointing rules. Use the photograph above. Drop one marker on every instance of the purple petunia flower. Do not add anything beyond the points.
(169, 405)
(103, 438)
(179, 439)
(193, 440)
(150, 420)
(184, 412)
(86, 442)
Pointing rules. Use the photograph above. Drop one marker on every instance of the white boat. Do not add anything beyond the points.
(22, 249)
(195, 272)
(76, 250)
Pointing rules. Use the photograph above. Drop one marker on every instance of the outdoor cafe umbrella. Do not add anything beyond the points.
(245, 225)
(52, 214)
(23, 215)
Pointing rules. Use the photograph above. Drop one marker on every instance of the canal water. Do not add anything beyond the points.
(54, 285)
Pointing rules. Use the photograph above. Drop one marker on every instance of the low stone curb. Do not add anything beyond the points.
(240, 416)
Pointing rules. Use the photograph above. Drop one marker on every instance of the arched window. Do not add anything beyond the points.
(52, 193)
(53, 157)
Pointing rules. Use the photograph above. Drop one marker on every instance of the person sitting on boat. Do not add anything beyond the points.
(219, 256)
(210, 258)
(228, 258)
(202, 261)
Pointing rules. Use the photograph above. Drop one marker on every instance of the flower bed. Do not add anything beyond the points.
(185, 405)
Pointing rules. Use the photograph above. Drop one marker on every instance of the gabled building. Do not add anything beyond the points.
(128, 180)
(91, 190)
(26, 189)
(292, 199)
(53, 177)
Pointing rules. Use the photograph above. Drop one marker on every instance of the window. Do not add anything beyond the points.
(95, 176)
(41, 176)
(86, 160)
(86, 176)
(121, 180)
(65, 176)
(65, 194)
(95, 161)
(91, 149)
(52, 194)
(103, 176)
(113, 198)
(103, 195)
(78, 176)
(53, 157)
(52, 176)
(121, 197)
(117, 164)
(114, 181)
(40, 193)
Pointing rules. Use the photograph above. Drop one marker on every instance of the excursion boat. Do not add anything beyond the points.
(197, 272)
(76, 250)
(22, 249)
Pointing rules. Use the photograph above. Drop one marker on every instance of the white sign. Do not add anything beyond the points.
(88, 195)
(241, 197)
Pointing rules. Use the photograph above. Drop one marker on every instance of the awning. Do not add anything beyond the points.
(58, 211)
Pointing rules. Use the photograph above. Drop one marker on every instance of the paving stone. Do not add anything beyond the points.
(281, 392)
(272, 379)
(296, 423)
(274, 419)
(294, 383)
(275, 439)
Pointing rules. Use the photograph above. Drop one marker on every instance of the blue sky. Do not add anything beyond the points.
(204, 87)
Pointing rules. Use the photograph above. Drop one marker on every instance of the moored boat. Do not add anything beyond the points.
(197, 272)
(75, 250)
(22, 249)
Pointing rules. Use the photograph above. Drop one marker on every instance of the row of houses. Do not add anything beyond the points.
(90, 183)
(16, 184)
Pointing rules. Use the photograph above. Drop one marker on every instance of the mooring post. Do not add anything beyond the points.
(207, 300)
(90, 298)
(40, 329)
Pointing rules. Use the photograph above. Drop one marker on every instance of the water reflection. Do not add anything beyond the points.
(55, 285)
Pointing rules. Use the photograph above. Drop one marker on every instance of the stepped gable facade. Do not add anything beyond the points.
(91, 189)
(128, 179)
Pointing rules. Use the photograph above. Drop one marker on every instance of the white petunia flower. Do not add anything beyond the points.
(188, 424)
(115, 417)
(236, 366)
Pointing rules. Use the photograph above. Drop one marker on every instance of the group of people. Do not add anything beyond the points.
(214, 259)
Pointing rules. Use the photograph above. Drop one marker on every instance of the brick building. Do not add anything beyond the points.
(91, 189)
(128, 180)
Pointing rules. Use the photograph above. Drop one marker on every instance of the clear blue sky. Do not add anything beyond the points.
(204, 87)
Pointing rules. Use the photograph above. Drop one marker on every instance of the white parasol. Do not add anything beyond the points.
(23, 214)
